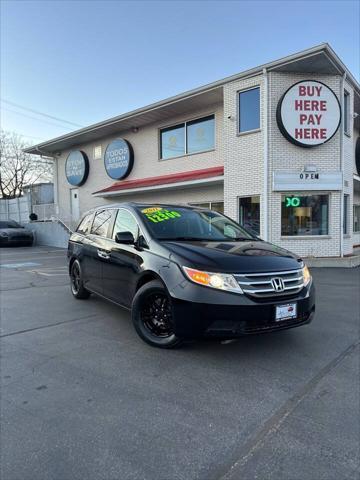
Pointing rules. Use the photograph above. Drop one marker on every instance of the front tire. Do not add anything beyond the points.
(76, 282)
(152, 316)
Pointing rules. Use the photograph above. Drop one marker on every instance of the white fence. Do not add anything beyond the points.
(17, 209)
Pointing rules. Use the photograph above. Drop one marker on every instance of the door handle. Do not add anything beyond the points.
(103, 254)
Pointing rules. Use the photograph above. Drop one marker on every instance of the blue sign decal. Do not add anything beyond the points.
(77, 168)
(118, 159)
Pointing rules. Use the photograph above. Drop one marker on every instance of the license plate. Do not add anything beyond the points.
(285, 312)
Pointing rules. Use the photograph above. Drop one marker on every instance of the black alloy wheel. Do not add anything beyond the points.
(76, 282)
(152, 316)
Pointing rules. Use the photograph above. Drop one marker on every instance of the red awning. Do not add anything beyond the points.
(163, 180)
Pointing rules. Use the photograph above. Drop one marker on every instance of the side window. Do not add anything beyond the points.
(125, 222)
(101, 223)
(84, 225)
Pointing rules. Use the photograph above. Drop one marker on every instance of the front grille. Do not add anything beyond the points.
(274, 284)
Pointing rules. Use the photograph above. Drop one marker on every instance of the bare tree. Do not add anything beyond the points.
(19, 169)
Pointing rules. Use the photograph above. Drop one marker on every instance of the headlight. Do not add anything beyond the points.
(220, 281)
(306, 275)
(3, 234)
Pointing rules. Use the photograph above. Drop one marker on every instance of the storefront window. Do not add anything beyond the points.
(216, 206)
(188, 137)
(249, 110)
(249, 213)
(200, 135)
(304, 215)
(356, 219)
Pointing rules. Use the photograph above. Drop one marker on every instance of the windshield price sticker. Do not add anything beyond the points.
(159, 214)
(151, 210)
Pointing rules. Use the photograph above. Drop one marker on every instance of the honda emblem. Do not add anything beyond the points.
(278, 284)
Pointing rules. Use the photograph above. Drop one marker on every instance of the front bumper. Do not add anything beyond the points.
(9, 241)
(211, 313)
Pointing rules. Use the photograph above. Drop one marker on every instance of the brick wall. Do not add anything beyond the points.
(243, 153)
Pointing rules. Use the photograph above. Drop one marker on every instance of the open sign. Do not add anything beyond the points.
(308, 114)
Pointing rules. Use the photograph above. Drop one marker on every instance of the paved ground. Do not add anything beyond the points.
(83, 398)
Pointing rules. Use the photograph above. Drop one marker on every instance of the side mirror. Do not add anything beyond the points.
(126, 238)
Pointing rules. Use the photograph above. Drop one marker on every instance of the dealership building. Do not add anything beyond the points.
(275, 147)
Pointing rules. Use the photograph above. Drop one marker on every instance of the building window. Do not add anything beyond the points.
(188, 137)
(346, 112)
(216, 206)
(249, 213)
(173, 141)
(200, 135)
(304, 215)
(249, 110)
(356, 219)
(346, 215)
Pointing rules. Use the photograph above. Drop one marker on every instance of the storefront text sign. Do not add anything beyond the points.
(302, 181)
(77, 168)
(118, 159)
(308, 114)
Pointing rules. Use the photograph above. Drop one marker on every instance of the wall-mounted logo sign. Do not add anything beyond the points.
(308, 114)
(77, 168)
(118, 159)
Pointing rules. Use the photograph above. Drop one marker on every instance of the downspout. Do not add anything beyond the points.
(265, 195)
(342, 132)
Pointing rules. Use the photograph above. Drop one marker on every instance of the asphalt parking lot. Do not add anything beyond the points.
(83, 398)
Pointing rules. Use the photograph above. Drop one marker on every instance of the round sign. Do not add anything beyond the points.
(77, 168)
(118, 159)
(308, 114)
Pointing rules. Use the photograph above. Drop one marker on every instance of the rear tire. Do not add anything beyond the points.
(76, 282)
(152, 316)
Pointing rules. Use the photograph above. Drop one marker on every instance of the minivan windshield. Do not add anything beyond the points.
(186, 224)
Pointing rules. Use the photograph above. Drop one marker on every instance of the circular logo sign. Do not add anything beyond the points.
(77, 168)
(118, 159)
(308, 114)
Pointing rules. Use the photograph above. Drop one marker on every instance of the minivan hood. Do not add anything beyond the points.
(237, 257)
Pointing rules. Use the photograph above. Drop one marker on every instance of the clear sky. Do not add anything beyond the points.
(85, 61)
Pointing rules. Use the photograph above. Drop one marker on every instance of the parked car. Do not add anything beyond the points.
(187, 272)
(11, 233)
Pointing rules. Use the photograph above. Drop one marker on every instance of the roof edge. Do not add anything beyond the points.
(323, 47)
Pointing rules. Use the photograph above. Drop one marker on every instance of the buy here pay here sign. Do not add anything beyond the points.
(308, 114)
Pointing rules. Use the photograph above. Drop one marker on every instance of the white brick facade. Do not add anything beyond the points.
(249, 159)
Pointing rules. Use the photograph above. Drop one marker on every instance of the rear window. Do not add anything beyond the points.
(101, 223)
(85, 224)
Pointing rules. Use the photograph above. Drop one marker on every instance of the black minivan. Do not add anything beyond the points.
(187, 272)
